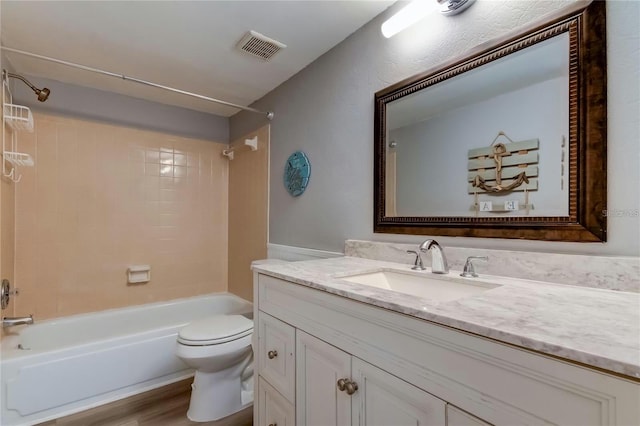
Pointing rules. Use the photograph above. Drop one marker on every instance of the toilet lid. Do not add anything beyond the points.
(215, 330)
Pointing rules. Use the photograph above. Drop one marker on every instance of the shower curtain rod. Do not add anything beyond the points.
(268, 114)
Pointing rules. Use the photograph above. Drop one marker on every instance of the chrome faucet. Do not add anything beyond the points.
(469, 270)
(12, 321)
(417, 264)
(439, 263)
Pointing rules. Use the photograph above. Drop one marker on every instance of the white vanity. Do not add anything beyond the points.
(331, 351)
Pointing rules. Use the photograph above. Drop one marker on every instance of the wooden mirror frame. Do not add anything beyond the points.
(587, 175)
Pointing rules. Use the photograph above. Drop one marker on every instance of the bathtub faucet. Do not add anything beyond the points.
(11, 321)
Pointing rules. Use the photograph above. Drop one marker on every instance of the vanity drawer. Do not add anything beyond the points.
(277, 356)
(273, 408)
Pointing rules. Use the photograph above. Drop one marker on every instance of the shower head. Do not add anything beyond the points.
(43, 94)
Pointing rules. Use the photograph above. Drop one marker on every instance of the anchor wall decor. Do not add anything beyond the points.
(503, 167)
(500, 151)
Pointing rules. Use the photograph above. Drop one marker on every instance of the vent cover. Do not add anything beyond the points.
(258, 45)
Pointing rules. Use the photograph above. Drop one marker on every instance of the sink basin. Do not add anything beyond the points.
(439, 288)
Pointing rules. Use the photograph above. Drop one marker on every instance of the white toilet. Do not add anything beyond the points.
(219, 348)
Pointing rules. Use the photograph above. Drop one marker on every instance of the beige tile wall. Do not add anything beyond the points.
(248, 204)
(102, 197)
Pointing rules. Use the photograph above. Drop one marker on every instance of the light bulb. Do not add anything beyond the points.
(407, 16)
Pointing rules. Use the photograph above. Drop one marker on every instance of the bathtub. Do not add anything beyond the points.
(61, 366)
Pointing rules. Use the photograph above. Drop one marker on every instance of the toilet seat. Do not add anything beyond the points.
(215, 330)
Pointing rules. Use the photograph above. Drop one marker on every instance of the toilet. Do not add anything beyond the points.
(219, 349)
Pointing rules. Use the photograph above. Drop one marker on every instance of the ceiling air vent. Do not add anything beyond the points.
(258, 45)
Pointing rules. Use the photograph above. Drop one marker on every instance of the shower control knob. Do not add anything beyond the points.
(272, 354)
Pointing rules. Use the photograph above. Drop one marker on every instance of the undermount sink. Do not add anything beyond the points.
(439, 288)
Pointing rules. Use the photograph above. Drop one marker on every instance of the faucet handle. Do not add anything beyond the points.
(469, 270)
(417, 264)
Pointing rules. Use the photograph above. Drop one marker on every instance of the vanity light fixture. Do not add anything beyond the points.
(454, 7)
(418, 9)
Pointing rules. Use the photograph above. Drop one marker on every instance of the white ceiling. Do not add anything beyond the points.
(183, 44)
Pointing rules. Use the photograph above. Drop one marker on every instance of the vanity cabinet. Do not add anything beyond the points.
(335, 388)
(277, 343)
(273, 409)
(411, 371)
(319, 367)
(383, 399)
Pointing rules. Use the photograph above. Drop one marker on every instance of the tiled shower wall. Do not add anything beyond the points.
(102, 197)
(249, 205)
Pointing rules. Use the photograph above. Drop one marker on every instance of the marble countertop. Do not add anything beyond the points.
(600, 328)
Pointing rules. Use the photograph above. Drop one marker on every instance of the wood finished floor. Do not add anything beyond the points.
(166, 406)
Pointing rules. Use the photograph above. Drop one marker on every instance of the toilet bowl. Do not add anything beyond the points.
(219, 349)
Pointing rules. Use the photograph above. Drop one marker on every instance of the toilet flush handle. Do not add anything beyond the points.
(272, 354)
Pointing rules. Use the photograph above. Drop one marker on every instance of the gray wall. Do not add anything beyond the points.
(327, 111)
(83, 102)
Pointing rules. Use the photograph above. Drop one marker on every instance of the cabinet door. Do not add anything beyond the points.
(276, 343)
(383, 400)
(273, 408)
(457, 417)
(319, 366)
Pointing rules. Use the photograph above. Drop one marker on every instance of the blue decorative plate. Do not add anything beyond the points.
(296, 173)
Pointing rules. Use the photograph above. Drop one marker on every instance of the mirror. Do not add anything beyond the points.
(508, 141)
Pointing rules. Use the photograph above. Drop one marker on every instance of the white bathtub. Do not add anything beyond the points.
(78, 362)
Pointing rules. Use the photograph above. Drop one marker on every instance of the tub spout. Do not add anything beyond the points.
(12, 321)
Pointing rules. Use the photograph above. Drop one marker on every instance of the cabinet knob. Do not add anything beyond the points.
(342, 384)
(348, 385)
(272, 354)
(351, 387)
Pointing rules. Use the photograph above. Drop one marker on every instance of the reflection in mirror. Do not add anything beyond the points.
(506, 141)
(442, 137)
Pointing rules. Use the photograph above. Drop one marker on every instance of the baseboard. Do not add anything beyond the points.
(292, 253)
